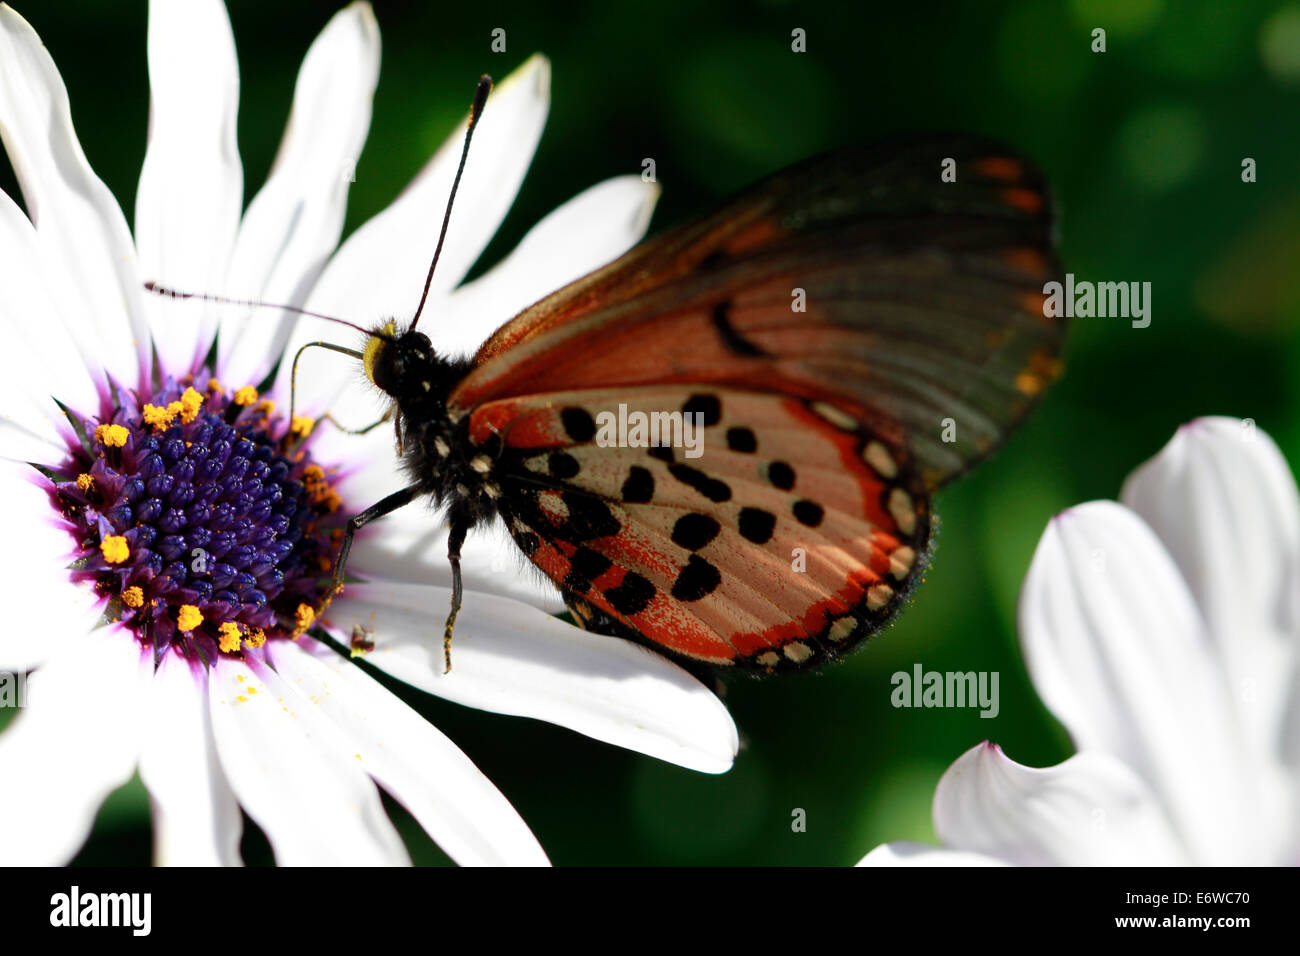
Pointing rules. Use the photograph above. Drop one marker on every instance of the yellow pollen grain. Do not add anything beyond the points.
(322, 494)
(313, 474)
(188, 618)
(133, 597)
(302, 425)
(266, 406)
(246, 395)
(257, 638)
(190, 404)
(115, 549)
(158, 416)
(229, 637)
(85, 482)
(304, 618)
(214, 385)
(112, 436)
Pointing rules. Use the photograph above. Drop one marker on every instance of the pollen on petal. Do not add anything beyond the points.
(190, 404)
(257, 638)
(85, 482)
(157, 416)
(115, 549)
(112, 436)
(305, 617)
(133, 596)
(188, 618)
(230, 636)
(246, 395)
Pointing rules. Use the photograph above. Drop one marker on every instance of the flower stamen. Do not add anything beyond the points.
(115, 549)
(203, 515)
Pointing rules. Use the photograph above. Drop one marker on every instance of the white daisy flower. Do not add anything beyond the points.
(158, 555)
(1164, 633)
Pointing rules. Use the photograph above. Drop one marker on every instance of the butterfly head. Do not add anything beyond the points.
(393, 360)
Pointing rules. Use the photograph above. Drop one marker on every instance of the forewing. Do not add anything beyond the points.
(861, 279)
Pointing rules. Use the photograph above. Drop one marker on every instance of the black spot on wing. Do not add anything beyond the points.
(578, 423)
(808, 512)
(693, 531)
(733, 340)
(639, 487)
(632, 595)
(575, 582)
(711, 488)
(588, 518)
(562, 464)
(705, 405)
(741, 439)
(590, 564)
(697, 580)
(756, 525)
(781, 475)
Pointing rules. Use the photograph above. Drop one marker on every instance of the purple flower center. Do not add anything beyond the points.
(200, 516)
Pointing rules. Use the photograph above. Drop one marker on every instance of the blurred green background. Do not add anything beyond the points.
(1144, 144)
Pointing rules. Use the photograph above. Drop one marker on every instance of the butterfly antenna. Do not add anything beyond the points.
(157, 289)
(475, 111)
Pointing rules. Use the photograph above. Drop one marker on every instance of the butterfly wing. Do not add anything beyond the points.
(778, 535)
(855, 331)
(922, 300)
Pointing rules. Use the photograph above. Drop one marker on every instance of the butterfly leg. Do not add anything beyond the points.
(459, 528)
(365, 429)
(388, 505)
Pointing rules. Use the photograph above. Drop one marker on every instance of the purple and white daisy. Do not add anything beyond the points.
(169, 527)
(1164, 633)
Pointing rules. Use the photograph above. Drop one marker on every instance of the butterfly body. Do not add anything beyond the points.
(825, 330)
(435, 451)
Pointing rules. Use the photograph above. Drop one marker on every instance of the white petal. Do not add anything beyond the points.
(76, 742)
(1224, 502)
(196, 818)
(379, 272)
(192, 184)
(593, 228)
(40, 359)
(290, 770)
(24, 435)
(510, 658)
(1090, 810)
(82, 235)
(45, 609)
(918, 854)
(1118, 651)
(451, 798)
(294, 222)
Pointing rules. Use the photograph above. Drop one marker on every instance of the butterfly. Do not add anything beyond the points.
(849, 335)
